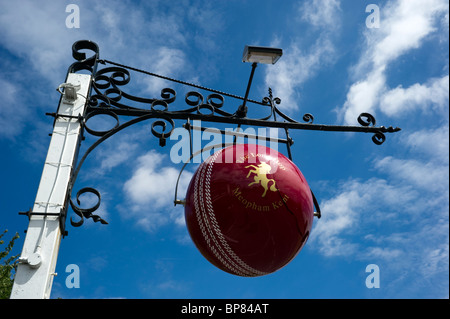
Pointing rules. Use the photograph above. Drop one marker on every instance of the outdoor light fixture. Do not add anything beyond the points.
(254, 54)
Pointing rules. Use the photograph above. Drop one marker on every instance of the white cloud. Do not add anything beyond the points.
(399, 221)
(151, 182)
(405, 26)
(412, 187)
(150, 192)
(436, 260)
(390, 224)
(398, 101)
(122, 148)
(298, 66)
(320, 13)
(121, 153)
(359, 203)
(294, 69)
(432, 143)
(383, 253)
(11, 115)
(363, 96)
(36, 35)
(37, 32)
(427, 168)
(340, 217)
(401, 218)
(167, 62)
(416, 173)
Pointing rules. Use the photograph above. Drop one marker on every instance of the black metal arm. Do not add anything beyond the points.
(109, 98)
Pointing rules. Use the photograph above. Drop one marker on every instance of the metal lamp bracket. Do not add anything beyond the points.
(106, 96)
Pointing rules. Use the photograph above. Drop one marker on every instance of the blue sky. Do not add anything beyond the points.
(386, 205)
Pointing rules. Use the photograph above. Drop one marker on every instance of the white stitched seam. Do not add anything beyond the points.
(203, 221)
(249, 271)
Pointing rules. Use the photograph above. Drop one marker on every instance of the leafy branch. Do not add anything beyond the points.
(7, 267)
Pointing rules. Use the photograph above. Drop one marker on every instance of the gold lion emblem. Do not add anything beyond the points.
(260, 177)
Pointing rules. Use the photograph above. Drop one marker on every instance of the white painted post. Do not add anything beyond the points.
(36, 269)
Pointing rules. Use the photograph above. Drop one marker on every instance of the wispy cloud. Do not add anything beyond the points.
(429, 97)
(167, 62)
(400, 221)
(354, 207)
(404, 27)
(35, 31)
(150, 192)
(298, 65)
(164, 284)
(158, 34)
(296, 68)
(410, 195)
(321, 13)
(11, 116)
(432, 143)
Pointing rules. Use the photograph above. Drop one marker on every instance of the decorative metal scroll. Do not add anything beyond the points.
(109, 98)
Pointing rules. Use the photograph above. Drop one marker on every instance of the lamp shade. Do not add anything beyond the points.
(261, 54)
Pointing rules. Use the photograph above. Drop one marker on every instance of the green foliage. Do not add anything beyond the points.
(7, 267)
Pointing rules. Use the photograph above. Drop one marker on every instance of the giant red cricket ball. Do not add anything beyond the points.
(249, 210)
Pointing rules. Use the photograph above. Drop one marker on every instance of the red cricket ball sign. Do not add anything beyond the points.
(249, 210)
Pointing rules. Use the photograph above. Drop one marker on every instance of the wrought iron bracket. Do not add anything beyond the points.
(61, 215)
(108, 98)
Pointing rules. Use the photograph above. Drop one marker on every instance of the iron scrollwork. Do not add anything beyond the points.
(86, 212)
(108, 98)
